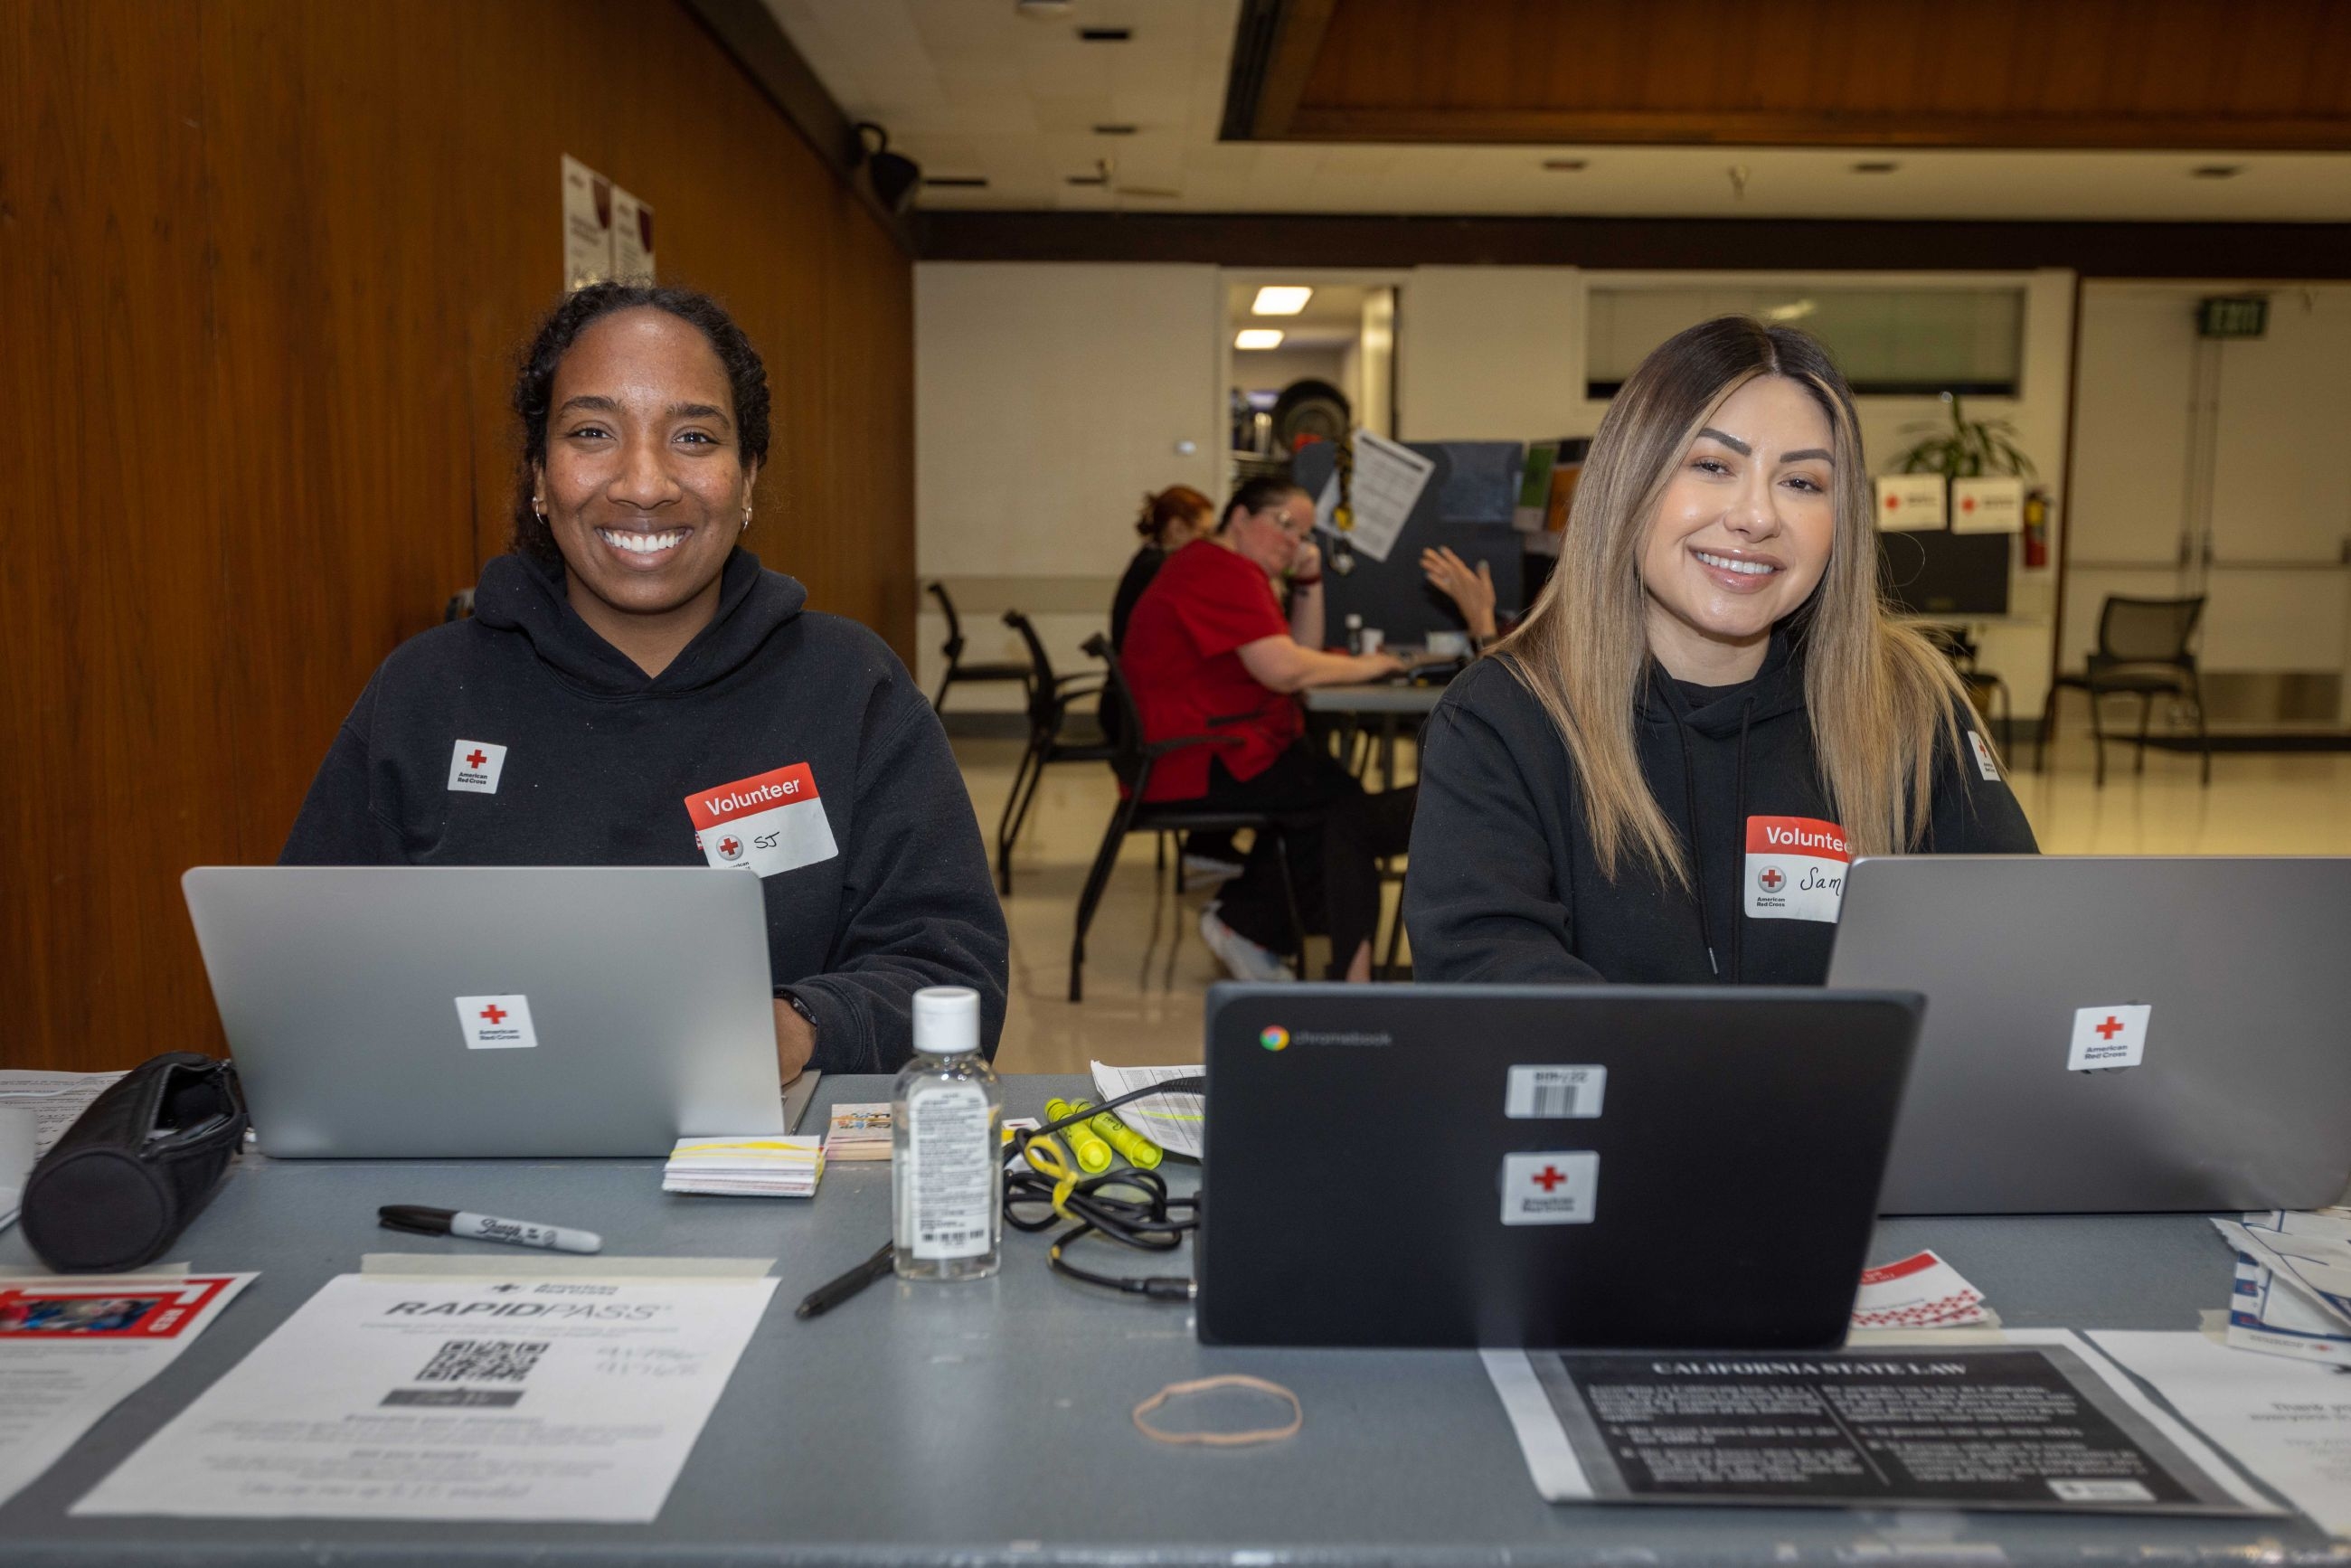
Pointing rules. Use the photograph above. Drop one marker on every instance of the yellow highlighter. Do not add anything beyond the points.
(1094, 1155)
(1139, 1152)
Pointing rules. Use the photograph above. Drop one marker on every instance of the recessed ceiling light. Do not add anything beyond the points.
(1280, 300)
(1567, 165)
(1105, 35)
(957, 182)
(1878, 168)
(1115, 130)
(2218, 171)
(1257, 337)
(1042, 10)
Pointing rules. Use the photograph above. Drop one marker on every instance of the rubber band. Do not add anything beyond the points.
(1221, 1439)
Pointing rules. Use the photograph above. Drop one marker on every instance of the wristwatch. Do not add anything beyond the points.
(792, 999)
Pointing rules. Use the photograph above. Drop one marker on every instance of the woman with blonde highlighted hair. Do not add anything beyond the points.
(1663, 773)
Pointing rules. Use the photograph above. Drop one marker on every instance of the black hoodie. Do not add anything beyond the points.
(521, 738)
(1504, 886)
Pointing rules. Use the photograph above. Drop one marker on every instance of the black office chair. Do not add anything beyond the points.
(953, 648)
(1132, 758)
(2143, 651)
(1050, 700)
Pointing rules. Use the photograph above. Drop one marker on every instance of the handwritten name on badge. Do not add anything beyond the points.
(768, 824)
(1795, 868)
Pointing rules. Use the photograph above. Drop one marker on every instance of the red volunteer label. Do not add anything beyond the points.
(748, 797)
(1796, 836)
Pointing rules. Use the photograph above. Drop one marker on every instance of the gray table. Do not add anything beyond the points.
(1385, 702)
(987, 1424)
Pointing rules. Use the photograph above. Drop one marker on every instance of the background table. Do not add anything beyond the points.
(987, 1424)
(1389, 702)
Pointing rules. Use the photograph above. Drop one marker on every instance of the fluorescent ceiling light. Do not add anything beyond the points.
(1257, 337)
(1281, 300)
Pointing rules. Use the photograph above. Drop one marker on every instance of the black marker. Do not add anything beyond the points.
(826, 1297)
(486, 1228)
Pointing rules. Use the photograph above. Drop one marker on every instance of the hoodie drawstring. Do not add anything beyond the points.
(1690, 814)
(1737, 926)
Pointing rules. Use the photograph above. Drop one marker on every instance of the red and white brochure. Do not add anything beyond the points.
(1919, 1292)
(72, 1348)
(1795, 869)
(770, 822)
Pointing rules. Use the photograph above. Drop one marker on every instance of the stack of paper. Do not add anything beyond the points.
(745, 1167)
(2292, 1294)
(859, 1133)
(1921, 1292)
(1174, 1122)
(36, 1109)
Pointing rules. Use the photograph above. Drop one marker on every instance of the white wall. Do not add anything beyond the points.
(1491, 353)
(1048, 398)
(2278, 486)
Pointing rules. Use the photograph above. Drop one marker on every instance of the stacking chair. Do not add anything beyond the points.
(953, 648)
(1985, 689)
(1050, 697)
(1132, 758)
(2143, 651)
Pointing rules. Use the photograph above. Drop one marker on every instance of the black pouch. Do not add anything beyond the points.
(137, 1167)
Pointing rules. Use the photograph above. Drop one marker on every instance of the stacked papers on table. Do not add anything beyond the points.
(2292, 1290)
(859, 1133)
(1174, 1122)
(1920, 1291)
(746, 1167)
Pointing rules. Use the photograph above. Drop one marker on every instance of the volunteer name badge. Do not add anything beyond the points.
(1795, 868)
(770, 823)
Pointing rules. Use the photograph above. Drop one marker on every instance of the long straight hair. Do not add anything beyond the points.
(1880, 698)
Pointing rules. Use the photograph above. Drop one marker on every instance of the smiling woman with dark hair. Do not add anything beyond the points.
(631, 674)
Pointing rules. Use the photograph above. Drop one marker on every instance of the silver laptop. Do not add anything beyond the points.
(463, 1012)
(2112, 1034)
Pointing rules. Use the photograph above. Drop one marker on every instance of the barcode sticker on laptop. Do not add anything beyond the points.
(1555, 1093)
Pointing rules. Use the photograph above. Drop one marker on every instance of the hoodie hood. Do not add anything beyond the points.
(1776, 690)
(519, 595)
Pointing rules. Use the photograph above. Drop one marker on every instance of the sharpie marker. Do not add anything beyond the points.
(486, 1228)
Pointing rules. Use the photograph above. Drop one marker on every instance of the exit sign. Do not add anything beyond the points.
(2233, 318)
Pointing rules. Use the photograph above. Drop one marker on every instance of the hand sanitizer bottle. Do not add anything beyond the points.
(947, 1171)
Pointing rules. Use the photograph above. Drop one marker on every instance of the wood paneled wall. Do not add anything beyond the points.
(264, 268)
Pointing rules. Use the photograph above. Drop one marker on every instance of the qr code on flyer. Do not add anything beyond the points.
(482, 1361)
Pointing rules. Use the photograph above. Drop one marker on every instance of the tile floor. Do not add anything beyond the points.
(1147, 970)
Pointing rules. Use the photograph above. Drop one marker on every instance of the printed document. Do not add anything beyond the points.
(2289, 1422)
(485, 1399)
(1174, 1122)
(73, 1348)
(2039, 1423)
(36, 1109)
(1388, 484)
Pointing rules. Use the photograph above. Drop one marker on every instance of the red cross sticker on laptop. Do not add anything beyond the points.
(1555, 1188)
(2108, 1037)
(496, 1023)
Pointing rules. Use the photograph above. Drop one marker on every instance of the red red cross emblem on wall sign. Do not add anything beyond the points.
(1893, 503)
(494, 1013)
(1967, 504)
(1547, 1177)
(476, 757)
(2111, 1028)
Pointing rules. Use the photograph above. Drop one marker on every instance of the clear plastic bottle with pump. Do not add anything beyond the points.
(947, 1171)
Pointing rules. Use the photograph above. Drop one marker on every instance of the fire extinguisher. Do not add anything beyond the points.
(2036, 528)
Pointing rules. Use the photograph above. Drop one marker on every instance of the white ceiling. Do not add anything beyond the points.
(972, 87)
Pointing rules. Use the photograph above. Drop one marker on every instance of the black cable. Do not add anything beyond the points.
(1145, 1218)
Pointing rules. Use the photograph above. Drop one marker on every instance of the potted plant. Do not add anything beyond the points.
(1964, 449)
